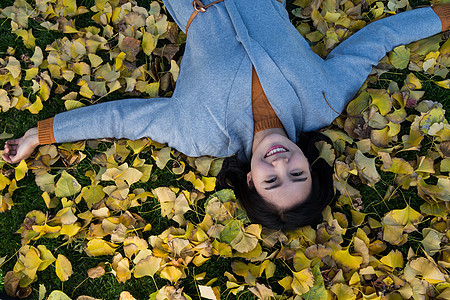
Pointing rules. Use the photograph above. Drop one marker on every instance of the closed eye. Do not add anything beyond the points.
(271, 180)
(296, 174)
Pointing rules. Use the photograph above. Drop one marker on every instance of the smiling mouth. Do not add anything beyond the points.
(275, 149)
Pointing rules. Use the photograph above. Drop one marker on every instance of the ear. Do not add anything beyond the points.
(249, 180)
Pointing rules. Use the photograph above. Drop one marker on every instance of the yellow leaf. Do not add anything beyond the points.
(366, 167)
(20, 170)
(36, 107)
(394, 259)
(207, 292)
(174, 70)
(119, 60)
(171, 273)
(98, 247)
(162, 157)
(382, 100)
(122, 268)
(66, 215)
(58, 295)
(44, 229)
(152, 89)
(346, 260)
(31, 262)
(147, 266)
(81, 68)
(425, 268)
(343, 292)
(37, 57)
(138, 145)
(443, 83)
(203, 164)
(166, 197)
(95, 60)
(46, 256)
(31, 73)
(44, 91)
(210, 183)
(399, 57)
(46, 182)
(63, 268)
(28, 39)
(406, 216)
(67, 185)
(71, 229)
(148, 43)
(244, 242)
(73, 104)
(302, 281)
(92, 194)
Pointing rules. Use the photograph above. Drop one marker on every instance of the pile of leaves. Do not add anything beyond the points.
(142, 211)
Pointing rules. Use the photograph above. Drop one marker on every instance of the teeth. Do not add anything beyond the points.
(276, 150)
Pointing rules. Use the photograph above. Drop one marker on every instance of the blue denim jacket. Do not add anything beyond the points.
(210, 112)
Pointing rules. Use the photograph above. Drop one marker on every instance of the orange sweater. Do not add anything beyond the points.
(264, 117)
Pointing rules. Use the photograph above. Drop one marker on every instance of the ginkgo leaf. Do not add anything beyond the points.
(406, 216)
(302, 281)
(366, 167)
(394, 259)
(36, 107)
(92, 194)
(426, 269)
(46, 182)
(67, 185)
(20, 170)
(346, 260)
(343, 291)
(171, 273)
(13, 67)
(147, 266)
(63, 268)
(58, 295)
(399, 57)
(98, 247)
(162, 157)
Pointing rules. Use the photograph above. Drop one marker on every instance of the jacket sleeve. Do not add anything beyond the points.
(350, 63)
(161, 119)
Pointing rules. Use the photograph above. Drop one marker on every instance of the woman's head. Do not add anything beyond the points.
(279, 172)
(298, 205)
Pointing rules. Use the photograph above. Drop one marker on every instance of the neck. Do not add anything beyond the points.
(259, 136)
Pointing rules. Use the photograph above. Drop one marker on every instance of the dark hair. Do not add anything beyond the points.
(234, 175)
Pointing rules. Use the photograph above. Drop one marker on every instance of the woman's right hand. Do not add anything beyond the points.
(22, 148)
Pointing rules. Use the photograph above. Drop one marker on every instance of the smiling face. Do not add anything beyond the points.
(280, 172)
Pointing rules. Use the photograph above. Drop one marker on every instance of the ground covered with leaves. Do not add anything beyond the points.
(120, 218)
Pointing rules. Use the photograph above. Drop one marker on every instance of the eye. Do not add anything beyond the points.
(297, 174)
(271, 180)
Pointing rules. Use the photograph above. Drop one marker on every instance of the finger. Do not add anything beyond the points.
(12, 142)
(6, 158)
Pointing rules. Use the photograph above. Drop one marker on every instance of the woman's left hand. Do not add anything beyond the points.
(22, 148)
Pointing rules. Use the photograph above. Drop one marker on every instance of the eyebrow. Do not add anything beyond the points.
(279, 184)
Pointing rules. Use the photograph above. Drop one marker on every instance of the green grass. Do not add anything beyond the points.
(28, 196)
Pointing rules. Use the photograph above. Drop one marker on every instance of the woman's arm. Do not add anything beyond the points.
(161, 119)
(350, 63)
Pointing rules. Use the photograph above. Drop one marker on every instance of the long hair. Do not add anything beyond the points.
(234, 175)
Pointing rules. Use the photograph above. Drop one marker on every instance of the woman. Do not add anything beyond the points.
(249, 85)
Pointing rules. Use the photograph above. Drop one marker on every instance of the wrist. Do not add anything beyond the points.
(33, 136)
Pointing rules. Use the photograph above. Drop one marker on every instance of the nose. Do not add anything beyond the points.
(279, 161)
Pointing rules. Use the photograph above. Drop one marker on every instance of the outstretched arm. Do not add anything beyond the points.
(351, 62)
(160, 119)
